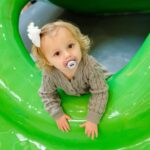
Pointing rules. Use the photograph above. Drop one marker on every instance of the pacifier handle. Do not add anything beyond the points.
(71, 64)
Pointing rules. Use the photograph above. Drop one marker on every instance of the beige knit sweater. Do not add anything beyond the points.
(89, 77)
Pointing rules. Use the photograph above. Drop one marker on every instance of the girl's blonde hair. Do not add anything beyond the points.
(83, 40)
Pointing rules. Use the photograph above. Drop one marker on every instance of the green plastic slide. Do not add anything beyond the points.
(25, 125)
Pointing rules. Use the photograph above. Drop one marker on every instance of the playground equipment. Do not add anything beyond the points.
(26, 125)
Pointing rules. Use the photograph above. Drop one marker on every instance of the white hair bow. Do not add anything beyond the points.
(34, 34)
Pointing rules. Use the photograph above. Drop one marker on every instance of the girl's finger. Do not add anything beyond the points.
(61, 125)
(93, 135)
(66, 126)
(96, 133)
(61, 128)
(58, 125)
(88, 133)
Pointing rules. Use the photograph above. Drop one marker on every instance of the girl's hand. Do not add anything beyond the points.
(90, 129)
(62, 123)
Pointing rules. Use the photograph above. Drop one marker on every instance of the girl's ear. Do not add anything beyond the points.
(47, 62)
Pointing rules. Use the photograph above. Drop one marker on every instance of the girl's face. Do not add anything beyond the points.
(59, 48)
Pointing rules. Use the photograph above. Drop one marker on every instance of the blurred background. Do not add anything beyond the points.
(115, 37)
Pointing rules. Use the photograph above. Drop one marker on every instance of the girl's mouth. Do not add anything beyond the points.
(70, 64)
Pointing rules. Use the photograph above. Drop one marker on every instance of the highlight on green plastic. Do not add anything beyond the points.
(26, 125)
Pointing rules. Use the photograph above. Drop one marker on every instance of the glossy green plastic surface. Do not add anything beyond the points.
(105, 6)
(25, 125)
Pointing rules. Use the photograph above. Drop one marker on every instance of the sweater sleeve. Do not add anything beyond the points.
(50, 97)
(98, 90)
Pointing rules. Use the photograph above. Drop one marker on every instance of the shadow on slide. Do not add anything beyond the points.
(26, 125)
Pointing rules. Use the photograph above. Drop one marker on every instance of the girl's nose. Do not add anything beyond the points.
(66, 54)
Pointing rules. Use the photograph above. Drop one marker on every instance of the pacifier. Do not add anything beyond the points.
(71, 64)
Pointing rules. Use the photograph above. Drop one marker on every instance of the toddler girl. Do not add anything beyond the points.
(61, 52)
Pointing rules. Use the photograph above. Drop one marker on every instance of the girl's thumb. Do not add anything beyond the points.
(68, 117)
(82, 125)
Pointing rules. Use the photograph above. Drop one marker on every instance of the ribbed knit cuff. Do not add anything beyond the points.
(93, 117)
(58, 114)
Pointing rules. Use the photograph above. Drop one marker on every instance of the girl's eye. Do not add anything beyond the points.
(71, 45)
(57, 54)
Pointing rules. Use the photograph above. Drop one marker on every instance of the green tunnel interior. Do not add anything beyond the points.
(26, 125)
